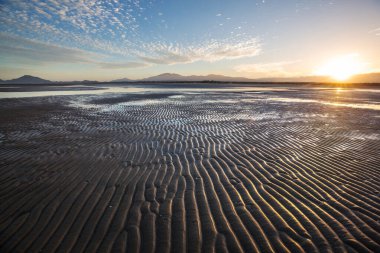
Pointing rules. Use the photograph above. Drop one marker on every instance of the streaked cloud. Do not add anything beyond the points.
(122, 65)
(209, 51)
(375, 31)
(30, 52)
(36, 51)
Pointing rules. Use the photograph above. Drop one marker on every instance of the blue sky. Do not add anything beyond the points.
(105, 40)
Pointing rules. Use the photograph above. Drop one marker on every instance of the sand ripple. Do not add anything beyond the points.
(186, 175)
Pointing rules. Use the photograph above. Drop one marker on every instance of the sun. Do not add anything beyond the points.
(343, 67)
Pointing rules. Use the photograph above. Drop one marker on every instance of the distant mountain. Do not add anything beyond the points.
(77, 82)
(171, 77)
(122, 80)
(27, 80)
(179, 78)
(222, 78)
(88, 81)
(301, 79)
(165, 77)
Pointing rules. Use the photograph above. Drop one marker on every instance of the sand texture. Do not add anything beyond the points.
(206, 172)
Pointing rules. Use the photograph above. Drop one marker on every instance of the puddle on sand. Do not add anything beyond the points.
(143, 102)
(176, 96)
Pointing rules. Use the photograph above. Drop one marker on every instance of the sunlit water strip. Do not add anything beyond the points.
(123, 90)
(103, 90)
(27, 94)
(351, 105)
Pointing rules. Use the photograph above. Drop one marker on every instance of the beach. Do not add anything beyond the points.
(257, 169)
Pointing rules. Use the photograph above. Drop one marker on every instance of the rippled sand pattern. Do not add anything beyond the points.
(250, 175)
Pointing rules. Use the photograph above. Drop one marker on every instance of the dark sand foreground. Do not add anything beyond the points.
(196, 172)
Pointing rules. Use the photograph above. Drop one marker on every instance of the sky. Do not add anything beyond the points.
(106, 40)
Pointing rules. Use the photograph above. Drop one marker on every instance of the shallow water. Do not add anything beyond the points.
(267, 93)
(104, 89)
(371, 106)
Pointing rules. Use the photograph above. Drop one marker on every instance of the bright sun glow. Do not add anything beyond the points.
(342, 68)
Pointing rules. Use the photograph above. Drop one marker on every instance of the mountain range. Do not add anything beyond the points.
(26, 79)
(171, 77)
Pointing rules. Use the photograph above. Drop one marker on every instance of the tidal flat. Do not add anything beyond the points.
(189, 168)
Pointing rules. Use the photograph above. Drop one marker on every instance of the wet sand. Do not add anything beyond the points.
(177, 171)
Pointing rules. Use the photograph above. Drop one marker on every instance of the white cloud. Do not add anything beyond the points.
(85, 16)
(161, 53)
